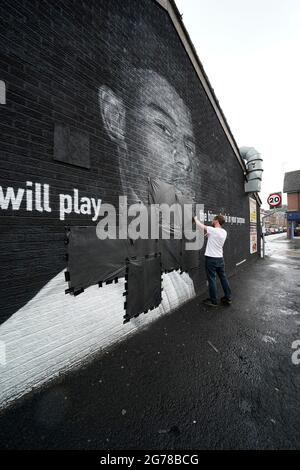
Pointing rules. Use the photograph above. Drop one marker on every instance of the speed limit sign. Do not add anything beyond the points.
(274, 200)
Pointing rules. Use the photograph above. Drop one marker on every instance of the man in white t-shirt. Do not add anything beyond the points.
(214, 261)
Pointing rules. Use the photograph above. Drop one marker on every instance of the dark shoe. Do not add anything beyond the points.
(209, 303)
(226, 301)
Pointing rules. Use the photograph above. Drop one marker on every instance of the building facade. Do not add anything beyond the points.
(291, 186)
(275, 220)
(102, 99)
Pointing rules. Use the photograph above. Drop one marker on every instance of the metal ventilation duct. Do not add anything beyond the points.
(254, 167)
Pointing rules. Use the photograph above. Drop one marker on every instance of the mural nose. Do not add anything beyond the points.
(182, 160)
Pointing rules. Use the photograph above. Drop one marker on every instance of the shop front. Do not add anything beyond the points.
(293, 219)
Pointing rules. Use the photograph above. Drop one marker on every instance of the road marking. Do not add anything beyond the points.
(241, 262)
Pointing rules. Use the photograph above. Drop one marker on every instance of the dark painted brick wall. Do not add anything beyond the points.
(54, 55)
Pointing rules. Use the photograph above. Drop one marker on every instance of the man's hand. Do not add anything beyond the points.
(195, 219)
(199, 224)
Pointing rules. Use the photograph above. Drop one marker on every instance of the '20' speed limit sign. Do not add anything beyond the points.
(274, 200)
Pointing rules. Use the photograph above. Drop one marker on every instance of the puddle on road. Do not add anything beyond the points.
(279, 312)
(278, 265)
(289, 311)
(278, 257)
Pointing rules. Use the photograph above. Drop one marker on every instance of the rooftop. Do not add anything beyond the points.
(291, 182)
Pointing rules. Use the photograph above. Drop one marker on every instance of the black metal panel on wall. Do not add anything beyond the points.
(77, 78)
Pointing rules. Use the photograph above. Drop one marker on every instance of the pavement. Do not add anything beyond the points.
(195, 379)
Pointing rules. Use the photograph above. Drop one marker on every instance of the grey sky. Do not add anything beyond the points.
(250, 51)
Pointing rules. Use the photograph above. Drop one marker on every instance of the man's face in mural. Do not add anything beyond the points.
(153, 131)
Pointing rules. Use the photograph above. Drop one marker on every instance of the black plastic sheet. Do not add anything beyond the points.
(190, 259)
(170, 254)
(143, 291)
(174, 254)
(139, 248)
(161, 192)
(91, 260)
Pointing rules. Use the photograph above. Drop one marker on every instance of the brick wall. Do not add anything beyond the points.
(293, 201)
(54, 57)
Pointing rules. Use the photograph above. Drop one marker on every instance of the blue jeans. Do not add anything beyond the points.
(216, 266)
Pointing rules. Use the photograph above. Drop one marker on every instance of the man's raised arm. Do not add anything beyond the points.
(199, 224)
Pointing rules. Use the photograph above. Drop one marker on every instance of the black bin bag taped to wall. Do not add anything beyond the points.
(139, 248)
(190, 259)
(173, 251)
(174, 255)
(160, 192)
(143, 246)
(170, 254)
(91, 260)
(143, 285)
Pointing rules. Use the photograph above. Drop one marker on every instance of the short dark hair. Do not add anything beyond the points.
(220, 218)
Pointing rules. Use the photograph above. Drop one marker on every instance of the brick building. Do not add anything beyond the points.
(291, 186)
(98, 97)
(275, 220)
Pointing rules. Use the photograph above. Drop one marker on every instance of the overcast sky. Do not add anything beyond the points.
(250, 51)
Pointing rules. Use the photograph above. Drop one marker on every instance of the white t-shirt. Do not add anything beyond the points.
(215, 240)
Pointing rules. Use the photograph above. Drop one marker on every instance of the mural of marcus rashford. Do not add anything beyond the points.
(152, 129)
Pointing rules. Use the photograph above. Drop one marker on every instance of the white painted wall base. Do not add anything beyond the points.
(56, 332)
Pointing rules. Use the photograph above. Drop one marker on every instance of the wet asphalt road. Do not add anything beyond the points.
(196, 379)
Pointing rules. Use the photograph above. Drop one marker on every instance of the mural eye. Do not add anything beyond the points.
(164, 129)
(190, 150)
